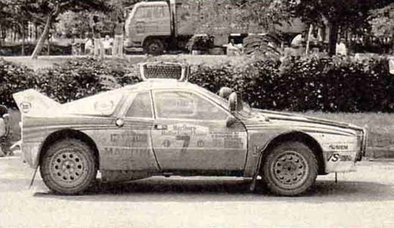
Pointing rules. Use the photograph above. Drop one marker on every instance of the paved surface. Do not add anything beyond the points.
(361, 199)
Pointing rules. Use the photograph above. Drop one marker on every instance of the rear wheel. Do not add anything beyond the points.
(68, 167)
(154, 47)
(290, 169)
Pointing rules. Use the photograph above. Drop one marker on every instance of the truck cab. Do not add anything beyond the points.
(148, 25)
(159, 25)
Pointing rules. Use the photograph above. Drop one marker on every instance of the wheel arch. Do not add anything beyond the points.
(298, 137)
(70, 134)
(163, 39)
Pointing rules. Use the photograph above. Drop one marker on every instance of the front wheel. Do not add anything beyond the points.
(68, 167)
(154, 47)
(290, 169)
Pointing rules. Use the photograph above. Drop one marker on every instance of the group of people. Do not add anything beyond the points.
(97, 45)
(297, 45)
(108, 45)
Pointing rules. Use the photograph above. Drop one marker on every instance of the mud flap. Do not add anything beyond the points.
(34, 176)
(252, 186)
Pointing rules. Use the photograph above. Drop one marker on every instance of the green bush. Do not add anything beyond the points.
(332, 84)
(13, 78)
(64, 82)
(336, 84)
(83, 77)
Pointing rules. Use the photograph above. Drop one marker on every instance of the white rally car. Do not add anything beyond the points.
(172, 127)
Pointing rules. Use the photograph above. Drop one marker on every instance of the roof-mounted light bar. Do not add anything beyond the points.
(164, 70)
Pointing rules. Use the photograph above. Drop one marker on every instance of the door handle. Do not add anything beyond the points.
(160, 127)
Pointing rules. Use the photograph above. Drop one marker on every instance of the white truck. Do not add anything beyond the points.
(157, 26)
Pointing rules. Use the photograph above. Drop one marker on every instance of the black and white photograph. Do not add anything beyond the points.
(196, 113)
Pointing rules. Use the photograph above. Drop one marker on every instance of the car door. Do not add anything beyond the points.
(190, 133)
(129, 147)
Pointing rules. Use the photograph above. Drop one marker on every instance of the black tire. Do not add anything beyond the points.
(154, 47)
(68, 167)
(290, 169)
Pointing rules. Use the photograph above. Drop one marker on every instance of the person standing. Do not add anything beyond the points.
(118, 41)
(297, 45)
(341, 48)
(98, 42)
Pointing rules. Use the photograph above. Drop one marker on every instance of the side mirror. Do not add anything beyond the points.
(230, 121)
(225, 92)
(233, 102)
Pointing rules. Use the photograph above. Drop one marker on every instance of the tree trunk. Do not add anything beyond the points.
(332, 40)
(43, 37)
(23, 41)
(308, 41)
(22, 32)
(49, 47)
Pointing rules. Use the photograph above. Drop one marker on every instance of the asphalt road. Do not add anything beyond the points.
(361, 199)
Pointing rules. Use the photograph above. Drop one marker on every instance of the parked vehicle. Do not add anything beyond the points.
(166, 127)
(157, 26)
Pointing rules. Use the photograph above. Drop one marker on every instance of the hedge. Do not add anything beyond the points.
(332, 84)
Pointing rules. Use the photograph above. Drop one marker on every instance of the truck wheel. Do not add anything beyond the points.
(290, 169)
(68, 167)
(154, 47)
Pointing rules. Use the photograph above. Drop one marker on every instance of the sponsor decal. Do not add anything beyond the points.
(25, 107)
(335, 157)
(166, 143)
(338, 147)
(104, 105)
(200, 143)
(126, 152)
(200, 136)
(118, 138)
(185, 129)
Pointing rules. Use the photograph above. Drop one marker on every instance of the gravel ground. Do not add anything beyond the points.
(360, 199)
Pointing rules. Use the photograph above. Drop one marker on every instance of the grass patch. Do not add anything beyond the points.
(380, 125)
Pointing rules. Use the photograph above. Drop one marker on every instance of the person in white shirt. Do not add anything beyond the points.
(341, 48)
(108, 45)
(297, 45)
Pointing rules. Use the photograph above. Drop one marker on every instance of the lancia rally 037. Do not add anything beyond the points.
(172, 127)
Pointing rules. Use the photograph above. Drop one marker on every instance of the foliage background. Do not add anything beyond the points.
(329, 84)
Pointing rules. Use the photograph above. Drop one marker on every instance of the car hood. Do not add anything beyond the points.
(261, 118)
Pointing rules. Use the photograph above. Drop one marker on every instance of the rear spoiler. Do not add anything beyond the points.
(31, 102)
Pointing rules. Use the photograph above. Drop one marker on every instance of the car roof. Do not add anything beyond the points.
(162, 84)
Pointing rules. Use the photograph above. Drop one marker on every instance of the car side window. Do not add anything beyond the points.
(141, 106)
(186, 105)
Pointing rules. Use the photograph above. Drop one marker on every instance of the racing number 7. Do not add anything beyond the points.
(186, 142)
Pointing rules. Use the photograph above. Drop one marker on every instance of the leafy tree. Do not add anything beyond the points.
(71, 22)
(13, 16)
(51, 9)
(335, 14)
(242, 15)
(382, 21)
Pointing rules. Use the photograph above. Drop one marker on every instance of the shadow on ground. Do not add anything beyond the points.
(160, 190)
